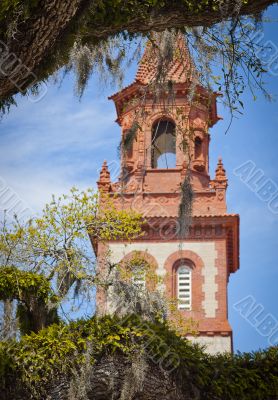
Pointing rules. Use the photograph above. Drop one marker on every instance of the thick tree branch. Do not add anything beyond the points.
(42, 42)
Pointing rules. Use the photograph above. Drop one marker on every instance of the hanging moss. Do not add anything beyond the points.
(126, 145)
(6, 104)
(185, 207)
(36, 302)
(130, 136)
(97, 22)
(128, 139)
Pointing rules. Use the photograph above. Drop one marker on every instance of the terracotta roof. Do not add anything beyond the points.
(135, 84)
(215, 215)
(180, 70)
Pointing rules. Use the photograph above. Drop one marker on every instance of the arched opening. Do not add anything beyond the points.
(198, 148)
(184, 286)
(127, 143)
(139, 268)
(163, 144)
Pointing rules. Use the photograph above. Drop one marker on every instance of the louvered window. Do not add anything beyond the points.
(184, 287)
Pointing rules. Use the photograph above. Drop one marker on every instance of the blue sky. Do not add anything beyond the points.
(49, 146)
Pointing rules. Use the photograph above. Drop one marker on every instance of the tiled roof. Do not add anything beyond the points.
(180, 70)
(123, 90)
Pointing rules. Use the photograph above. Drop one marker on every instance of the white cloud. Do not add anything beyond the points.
(52, 145)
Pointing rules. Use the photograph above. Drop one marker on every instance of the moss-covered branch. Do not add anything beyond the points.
(36, 307)
(41, 33)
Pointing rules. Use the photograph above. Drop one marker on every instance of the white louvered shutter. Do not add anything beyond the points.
(184, 287)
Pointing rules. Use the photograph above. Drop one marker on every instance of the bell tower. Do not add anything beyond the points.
(165, 176)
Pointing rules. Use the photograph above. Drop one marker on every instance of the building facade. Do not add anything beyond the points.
(170, 148)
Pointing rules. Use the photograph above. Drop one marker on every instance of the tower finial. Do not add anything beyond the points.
(220, 172)
(104, 181)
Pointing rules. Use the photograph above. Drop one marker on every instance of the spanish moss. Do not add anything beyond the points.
(185, 208)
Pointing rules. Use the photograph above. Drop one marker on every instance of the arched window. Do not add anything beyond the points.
(164, 144)
(184, 289)
(198, 148)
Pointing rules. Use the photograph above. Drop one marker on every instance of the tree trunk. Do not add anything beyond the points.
(50, 23)
(29, 46)
(112, 377)
(118, 378)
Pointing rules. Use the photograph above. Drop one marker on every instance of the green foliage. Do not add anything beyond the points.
(46, 256)
(22, 285)
(7, 7)
(37, 304)
(113, 12)
(137, 268)
(56, 245)
(59, 349)
(14, 11)
(118, 12)
(247, 376)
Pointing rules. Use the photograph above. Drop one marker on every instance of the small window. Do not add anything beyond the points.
(198, 148)
(184, 287)
(164, 144)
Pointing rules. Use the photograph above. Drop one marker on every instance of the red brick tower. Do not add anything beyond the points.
(172, 142)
